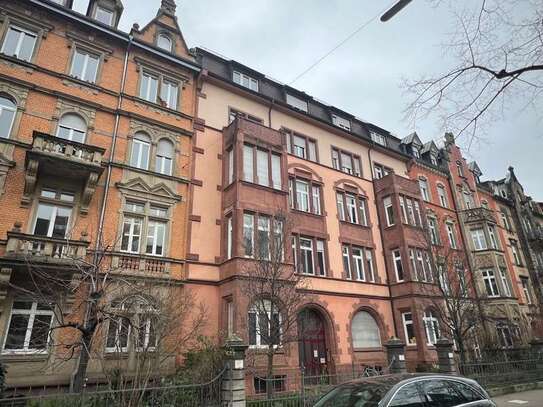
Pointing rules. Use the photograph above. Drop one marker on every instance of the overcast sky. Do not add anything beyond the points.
(281, 38)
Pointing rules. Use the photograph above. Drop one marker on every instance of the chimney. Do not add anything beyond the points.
(449, 138)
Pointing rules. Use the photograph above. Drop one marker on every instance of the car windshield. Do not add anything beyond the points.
(354, 395)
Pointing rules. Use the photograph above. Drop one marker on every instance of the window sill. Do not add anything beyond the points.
(360, 225)
(314, 215)
(264, 187)
(156, 105)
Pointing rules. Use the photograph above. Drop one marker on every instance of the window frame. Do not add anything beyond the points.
(525, 283)
(490, 283)
(341, 122)
(112, 15)
(296, 102)
(378, 138)
(425, 189)
(14, 110)
(298, 255)
(360, 207)
(365, 328)
(162, 79)
(389, 210)
(476, 234)
(250, 80)
(405, 323)
(271, 183)
(355, 162)
(430, 321)
(451, 234)
(442, 195)
(397, 256)
(87, 53)
(168, 37)
(314, 195)
(309, 151)
(25, 32)
(253, 309)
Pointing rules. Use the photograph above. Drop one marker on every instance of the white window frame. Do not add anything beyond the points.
(145, 93)
(352, 208)
(316, 196)
(230, 154)
(408, 322)
(229, 237)
(345, 254)
(387, 203)
(164, 36)
(432, 227)
(252, 83)
(306, 253)
(109, 12)
(53, 217)
(320, 250)
(442, 194)
(297, 103)
(451, 234)
(22, 33)
(505, 282)
(302, 196)
(341, 122)
(492, 236)
(525, 282)
(478, 239)
(358, 260)
(132, 221)
(256, 310)
(491, 285)
(249, 226)
(340, 206)
(431, 327)
(137, 161)
(32, 312)
(159, 228)
(86, 56)
(13, 111)
(378, 138)
(171, 88)
(424, 189)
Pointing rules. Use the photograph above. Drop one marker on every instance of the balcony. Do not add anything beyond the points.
(43, 250)
(477, 215)
(63, 158)
(142, 265)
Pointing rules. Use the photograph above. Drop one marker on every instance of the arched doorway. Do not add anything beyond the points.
(313, 351)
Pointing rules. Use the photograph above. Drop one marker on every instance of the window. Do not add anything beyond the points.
(451, 235)
(492, 235)
(84, 65)
(346, 162)
(526, 289)
(264, 324)
(423, 184)
(52, 220)
(118, 331)
(431, 325)
(72, 127)
(459, 168)
(433, 158)
(7, 115)
(389, 210)
(141, 147)
(169, 94)
(263, 237)
(245, 81)
(442, 194)
(432, 227)
(19, 43)
(505, 337)
(345, 124)
(104, 16)
(297, 102)
(149, 87)
(248, 234)
(378, 138)
(408, 395)
(229, 317)
(264, 160)
(403, 212)
(155, 238)
(305, 196)
(416, 151)
(440, 393)
(418, 219)
(380, 171)
(355, 207)
(479, 239)
(346, 262)
(233, 114)
(164, 157)
(358, 263)
(365, 331)
(489, 280)
(301, 146)
(138, 215)
(515, 252)
(312, 256)
(443, 278)
(408, 329)
(398, 267)
(278, 382)
(229, 237)
(505, 282)
(468, 200)
(29, 327)
(230, 159)
(164, 42)
(413, 263)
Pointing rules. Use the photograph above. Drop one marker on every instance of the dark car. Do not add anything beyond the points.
(408, 390)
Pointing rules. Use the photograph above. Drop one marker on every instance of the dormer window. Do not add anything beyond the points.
(245, 81)
(341, 122)
(378, 138)
(433, 159)
(297, 103)
(60, 2)
(164, 42)
(103, 15)
(416, 152)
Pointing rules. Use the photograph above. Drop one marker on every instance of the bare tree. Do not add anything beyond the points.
(81, 292)
(276, 290)
(497, 53)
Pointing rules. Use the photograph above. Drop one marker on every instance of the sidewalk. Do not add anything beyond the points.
(531, 398)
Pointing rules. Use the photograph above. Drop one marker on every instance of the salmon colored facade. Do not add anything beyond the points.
(178, 159)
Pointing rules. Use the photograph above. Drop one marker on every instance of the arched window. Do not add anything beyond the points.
(7, 114)
(164, 42)
(164, 157)
(72, 127)
(141, 146)
(365, 331)
(264, 322)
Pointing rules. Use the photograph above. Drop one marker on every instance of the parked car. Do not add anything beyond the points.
(408, 390)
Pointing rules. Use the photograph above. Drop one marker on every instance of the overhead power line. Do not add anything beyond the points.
(342, 42)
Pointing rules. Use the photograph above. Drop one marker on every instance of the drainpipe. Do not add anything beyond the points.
(383, 245)
(269, 113)
(112, 149)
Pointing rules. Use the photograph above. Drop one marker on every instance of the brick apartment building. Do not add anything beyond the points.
(126, 138)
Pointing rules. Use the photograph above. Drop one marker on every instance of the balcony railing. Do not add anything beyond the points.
(66, 149)
(45, 249)
(477, 215)
(138, 264)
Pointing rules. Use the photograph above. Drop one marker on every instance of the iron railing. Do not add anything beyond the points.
(489, 373)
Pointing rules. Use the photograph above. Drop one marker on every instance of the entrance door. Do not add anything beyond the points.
(312, 339)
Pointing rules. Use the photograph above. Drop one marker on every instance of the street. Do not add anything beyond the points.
(532, 398)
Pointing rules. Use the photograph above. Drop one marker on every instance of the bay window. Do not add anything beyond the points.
(263, 237)
(409, 330)
(248, 234)
(398, 266)
(389, 210)
(263, 161)
(489, 280)
(479, 239)
(505, 282)
(492, 236)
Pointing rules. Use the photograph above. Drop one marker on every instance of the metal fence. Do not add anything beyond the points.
(193, 395)
(494, 373)
(297, 389)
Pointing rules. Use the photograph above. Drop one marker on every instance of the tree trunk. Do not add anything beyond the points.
(78, 380)
(269, 374)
